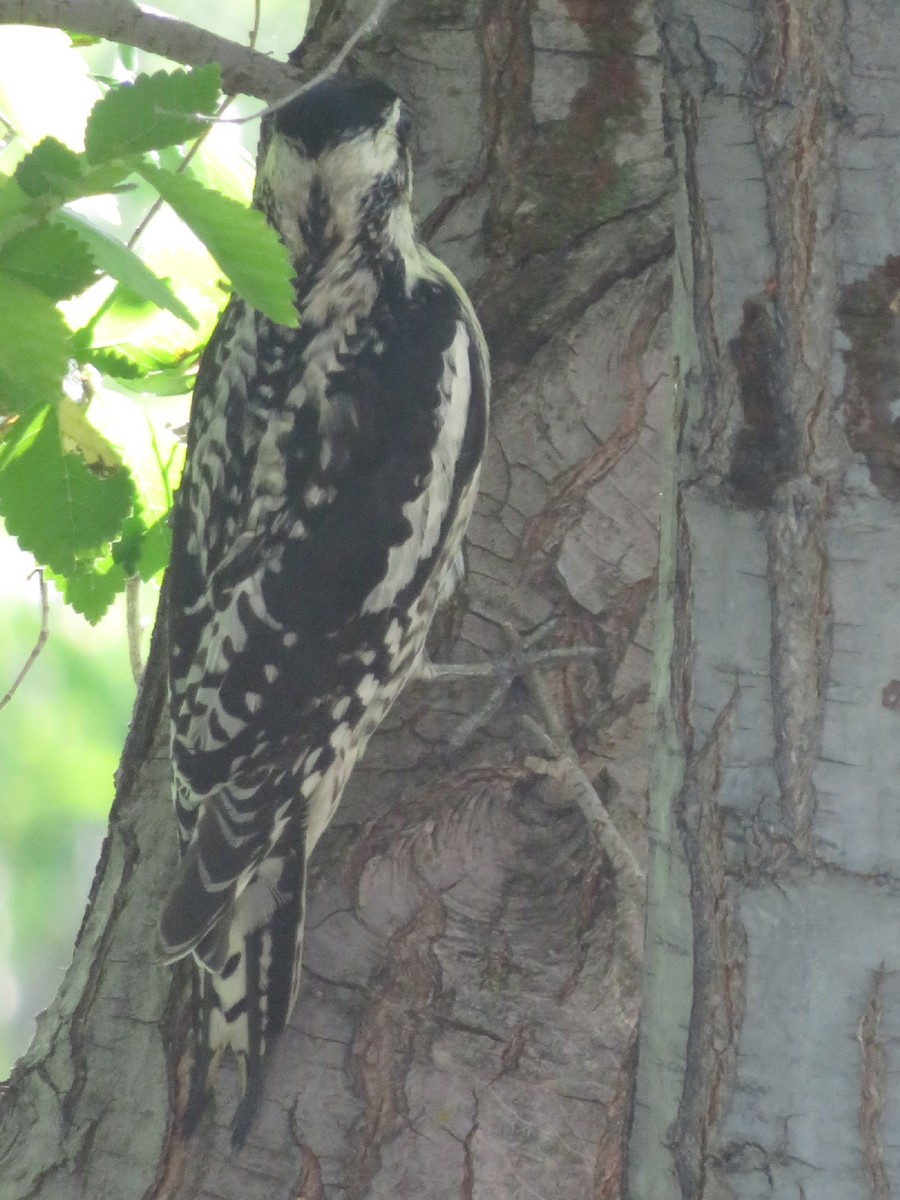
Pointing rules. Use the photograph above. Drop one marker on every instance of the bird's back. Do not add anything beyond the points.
(330, 474)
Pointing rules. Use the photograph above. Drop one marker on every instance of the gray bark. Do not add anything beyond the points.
(772, 938)
(467, 1021)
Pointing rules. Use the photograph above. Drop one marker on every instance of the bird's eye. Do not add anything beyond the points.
(404, 125)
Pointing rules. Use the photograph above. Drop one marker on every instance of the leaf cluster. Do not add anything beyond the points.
(66, 493)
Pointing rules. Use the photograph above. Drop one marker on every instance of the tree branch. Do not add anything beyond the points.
(243, 69)
(38, 645)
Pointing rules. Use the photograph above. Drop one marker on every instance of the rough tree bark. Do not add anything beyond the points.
(467, 1022)
(773, 936)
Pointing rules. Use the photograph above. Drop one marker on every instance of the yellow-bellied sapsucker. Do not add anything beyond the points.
(331, 471)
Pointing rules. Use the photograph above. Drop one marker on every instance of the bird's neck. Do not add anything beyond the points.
(341, 259)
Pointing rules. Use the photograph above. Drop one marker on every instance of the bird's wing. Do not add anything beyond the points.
(289, 635)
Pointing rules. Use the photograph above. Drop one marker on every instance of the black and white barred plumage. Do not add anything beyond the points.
(330, 475)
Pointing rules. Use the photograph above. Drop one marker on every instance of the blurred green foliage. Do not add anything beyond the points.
(67, 493)
(60, 739)
(62, 733)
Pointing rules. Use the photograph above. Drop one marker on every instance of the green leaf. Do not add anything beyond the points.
(57, 508)
(112, 363)
(16, 207)
(115, 259)
(17, 432)
(91, 591)
(107, 177)
(245, 247)
(143, 550)
(50, 168)
(34, 346)
(127, 550)
(80, 40)
(78, 434)
(155, 111)
(49, 258)
(156, 548)
(160, 383)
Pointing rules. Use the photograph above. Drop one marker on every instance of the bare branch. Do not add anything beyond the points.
(157, 204)
(243, 69)
(560, 766)
(507, 668)
(133, 624)
(331, 67)
(38, 645)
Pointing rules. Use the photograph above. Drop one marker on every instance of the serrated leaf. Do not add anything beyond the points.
(50, 167)
(143, 351)
(127, 549)
(107, 177)
(78, 434)
(34, 346)
(115, 259)
(18, 432)
(239, 239)
(91, 592)
(49, 258)
(156, 549)
(143, 550)
(155, 111)
(56, 507)
(112, 363)
(16, 207)
(160, 383)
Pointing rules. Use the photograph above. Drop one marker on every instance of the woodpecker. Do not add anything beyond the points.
(331, 471)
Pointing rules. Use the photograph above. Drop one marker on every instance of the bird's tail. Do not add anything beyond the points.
(246, 974)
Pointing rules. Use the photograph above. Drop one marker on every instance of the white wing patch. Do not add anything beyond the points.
(427, 512)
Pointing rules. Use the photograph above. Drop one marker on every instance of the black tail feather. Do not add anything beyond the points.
(246, 1004)
(202, 1000)
(245, 1113)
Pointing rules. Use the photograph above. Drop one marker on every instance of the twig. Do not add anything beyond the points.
(38, 645)
(244, 69)
(560, 766)
(252, 36)
(630, 881)
(133, 625)
(509, 667)
(561, 763)
(182, 166)
(522, 662)
(369, 25)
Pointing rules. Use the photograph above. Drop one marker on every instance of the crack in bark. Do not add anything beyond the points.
(534, 302)
(719, 948)
(797, 569)
(82, 1010)
(609, 1169)
(309, 1184)
(387, 1037)
(873, 1087)
(467, 1185)
(568, 497)
(466, 1027)
(704, 428)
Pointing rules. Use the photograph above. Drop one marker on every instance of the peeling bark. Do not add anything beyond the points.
(467, 1019)
(772, 877)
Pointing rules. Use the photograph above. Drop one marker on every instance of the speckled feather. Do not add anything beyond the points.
(331, 471)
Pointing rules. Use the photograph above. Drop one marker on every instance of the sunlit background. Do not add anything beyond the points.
(62, 732)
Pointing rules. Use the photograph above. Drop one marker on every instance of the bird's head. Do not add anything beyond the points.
(337, 164)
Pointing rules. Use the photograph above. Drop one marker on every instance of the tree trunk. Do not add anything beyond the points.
(467, 1020)
(772, 933)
